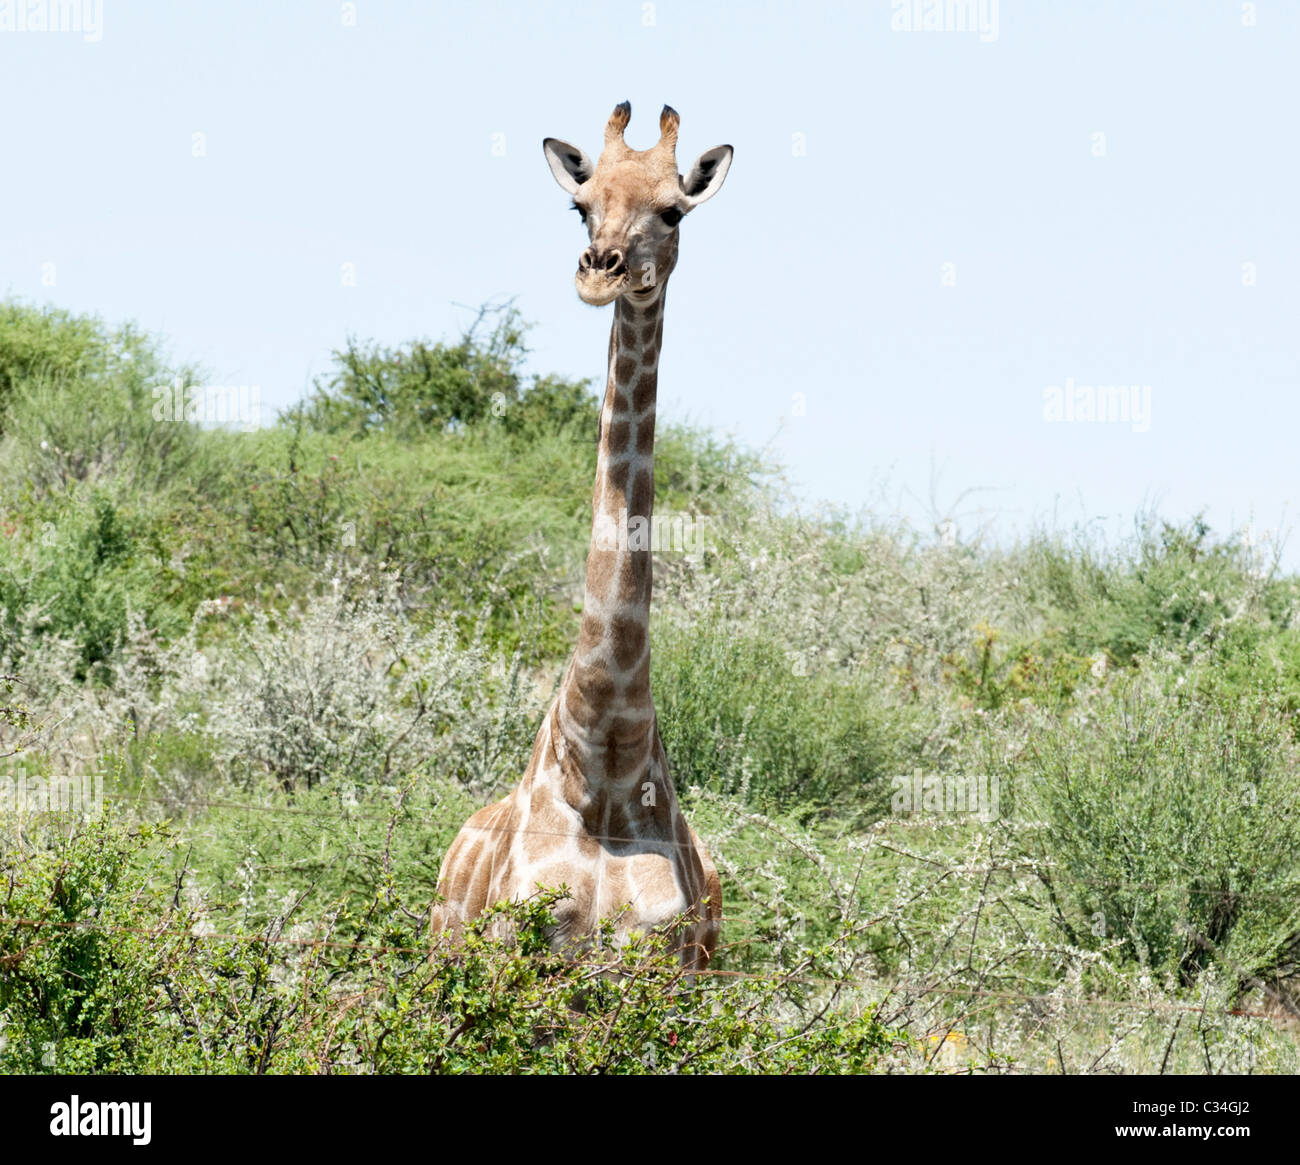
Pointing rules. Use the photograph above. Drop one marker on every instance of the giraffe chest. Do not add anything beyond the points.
(620, 853)
(639, 890)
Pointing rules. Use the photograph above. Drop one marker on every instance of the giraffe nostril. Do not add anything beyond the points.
(608, 263)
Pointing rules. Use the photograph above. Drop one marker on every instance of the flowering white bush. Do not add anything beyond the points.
(348, 687)
(344, 686)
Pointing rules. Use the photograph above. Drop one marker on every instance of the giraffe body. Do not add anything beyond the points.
(619, 857)
(596, 811)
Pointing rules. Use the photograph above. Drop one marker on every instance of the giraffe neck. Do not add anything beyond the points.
(605, 711)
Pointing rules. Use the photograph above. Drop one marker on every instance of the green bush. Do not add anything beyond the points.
(1170, 587)
(426, 388)
(739, 716)
(48, 345)
(81, 403)
(80, 574)
(82, 965)
(1171, 820)
(106, 971)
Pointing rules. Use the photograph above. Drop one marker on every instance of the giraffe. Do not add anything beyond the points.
(595, 810)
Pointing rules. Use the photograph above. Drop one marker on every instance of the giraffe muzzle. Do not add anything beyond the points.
(599, 287)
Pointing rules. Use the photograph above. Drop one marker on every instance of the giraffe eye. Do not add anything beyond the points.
(582, 214)
(671, 217)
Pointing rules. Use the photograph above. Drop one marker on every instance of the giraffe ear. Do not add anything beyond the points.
(569, 164)
(705, 178)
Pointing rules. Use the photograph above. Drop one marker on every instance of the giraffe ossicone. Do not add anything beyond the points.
(596, 810)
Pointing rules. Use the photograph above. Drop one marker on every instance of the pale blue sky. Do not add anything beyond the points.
(817, 272)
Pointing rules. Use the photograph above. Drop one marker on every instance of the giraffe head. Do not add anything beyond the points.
(631, 202)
